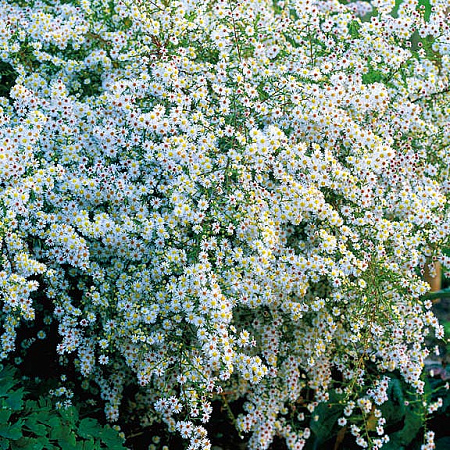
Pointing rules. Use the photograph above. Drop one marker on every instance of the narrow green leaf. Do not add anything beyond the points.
(444, 293)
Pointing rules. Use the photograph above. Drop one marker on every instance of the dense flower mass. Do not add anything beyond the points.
(227, 196)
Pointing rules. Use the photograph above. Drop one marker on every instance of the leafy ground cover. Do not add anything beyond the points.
(37, 425)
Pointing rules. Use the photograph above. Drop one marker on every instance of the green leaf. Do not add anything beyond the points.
(68, 442)
(41, 443)
(427, 5)
(323, 428)
(443, 443)
(111, 438)
(37, 428)
(7, 380)
(41, 415)
(390, 446)
(353, 29)
(413, 423)
(70, 415)
(446, 326)
(89, 428)
(11, 431)
(394, 410)
(5, 414)
(90, 445)
(444, 293)
(45, 443)
(15, 400)
(4, 444)
(5, 386)
(38, 446)
(54, 422)
(58, 430)
(24, 443)
(372, 76)
(45, 403)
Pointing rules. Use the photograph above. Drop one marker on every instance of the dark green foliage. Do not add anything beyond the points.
(410, 418)
(7, 78)
(36, 425)
(325, 427)
(406, 419)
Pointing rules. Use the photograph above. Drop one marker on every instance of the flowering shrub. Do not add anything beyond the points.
(215, 197)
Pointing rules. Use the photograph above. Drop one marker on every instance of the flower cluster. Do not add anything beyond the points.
(228, 196)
